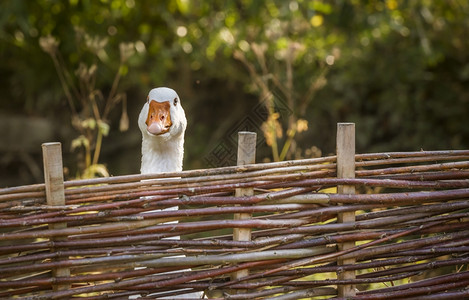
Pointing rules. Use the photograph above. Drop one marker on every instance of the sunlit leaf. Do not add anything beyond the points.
(301, 125)
(103, 127)
(96, 170)
(89, 123)
(124, 121)
(80, 141)
(316, 20)
(49, 44)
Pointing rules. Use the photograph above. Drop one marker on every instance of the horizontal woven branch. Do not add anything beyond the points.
(120, 238)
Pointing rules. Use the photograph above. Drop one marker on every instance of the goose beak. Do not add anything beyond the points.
(159, 117)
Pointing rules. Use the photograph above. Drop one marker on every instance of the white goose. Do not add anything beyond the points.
(162, 122)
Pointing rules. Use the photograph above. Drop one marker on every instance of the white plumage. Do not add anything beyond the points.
(162, 145)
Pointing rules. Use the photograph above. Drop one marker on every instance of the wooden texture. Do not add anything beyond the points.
(346, 169)
(410, 231)
(55, 196)
(246, 156)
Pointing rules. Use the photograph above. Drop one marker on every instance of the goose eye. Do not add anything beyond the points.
(175, 101)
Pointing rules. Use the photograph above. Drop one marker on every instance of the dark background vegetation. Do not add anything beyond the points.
(399, 71)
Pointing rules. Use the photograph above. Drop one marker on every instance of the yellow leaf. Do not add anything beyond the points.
(89, 123)
(96, 170)
(80, 141)
(316, 20)
(124, 122)
(301, 125)
(103, 127)
(391, 4)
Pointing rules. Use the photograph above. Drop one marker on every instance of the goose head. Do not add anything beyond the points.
(162, 117)
(162, 122)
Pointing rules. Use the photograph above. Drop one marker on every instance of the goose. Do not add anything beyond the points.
(163, 123)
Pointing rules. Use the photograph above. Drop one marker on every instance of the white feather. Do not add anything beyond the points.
(163, 153)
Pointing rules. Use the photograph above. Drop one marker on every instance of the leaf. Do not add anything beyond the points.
(89, 123)
(316, 20)
(123, 70)
(85, 73)
(183, 6)
(272, 128)
(301, 125)
(80, 141)
(124, 121)
(49, 44)
(96, 170)
(95, 44)
(103, 127)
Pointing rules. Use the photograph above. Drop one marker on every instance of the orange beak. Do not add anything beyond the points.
(159, 117)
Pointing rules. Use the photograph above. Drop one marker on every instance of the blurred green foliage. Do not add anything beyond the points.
(399, 69)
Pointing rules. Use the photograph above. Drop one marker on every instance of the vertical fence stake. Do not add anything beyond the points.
(346, 169)
(55, 195)
(246, 155)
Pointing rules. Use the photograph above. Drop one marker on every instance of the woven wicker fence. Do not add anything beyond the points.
(351, 226)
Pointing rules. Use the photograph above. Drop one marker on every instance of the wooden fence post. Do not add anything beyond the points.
(246, 155)
(346, 169)
(55, 195)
